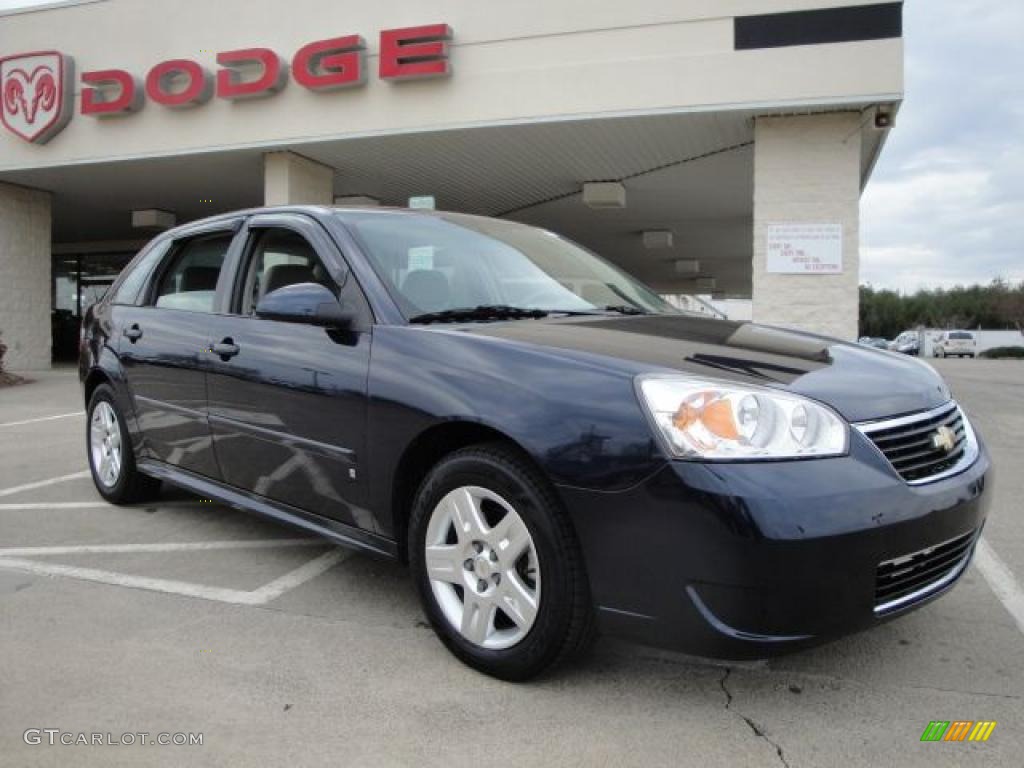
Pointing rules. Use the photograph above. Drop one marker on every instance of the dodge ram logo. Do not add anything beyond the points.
(38, 94)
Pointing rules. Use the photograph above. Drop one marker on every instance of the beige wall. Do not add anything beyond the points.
(527, 60)
(25, 277)
(807, 169)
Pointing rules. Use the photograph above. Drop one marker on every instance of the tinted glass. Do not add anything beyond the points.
(191, 281)
(130, 287)
(280, 257)
(960, 335)
(433, 262)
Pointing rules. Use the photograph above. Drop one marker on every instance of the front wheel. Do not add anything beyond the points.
(111, 457)
(497, 565)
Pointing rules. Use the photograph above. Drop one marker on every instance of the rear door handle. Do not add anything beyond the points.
(134, 333)
(226, 349)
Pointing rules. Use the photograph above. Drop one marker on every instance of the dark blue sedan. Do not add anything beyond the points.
(553, 449)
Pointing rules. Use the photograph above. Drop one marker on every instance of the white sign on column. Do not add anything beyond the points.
(805, 248)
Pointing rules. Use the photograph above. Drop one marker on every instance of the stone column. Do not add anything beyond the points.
(290, 179)
(807, 170)
(25, 291)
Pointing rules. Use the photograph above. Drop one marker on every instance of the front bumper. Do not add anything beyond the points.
(746, 560)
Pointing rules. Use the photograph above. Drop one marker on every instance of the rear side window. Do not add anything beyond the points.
(138, 274)
(960, 335)
(190, 282)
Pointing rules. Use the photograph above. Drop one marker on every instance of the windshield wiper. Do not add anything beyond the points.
(481, 312)
(621, 309)
(625, 309)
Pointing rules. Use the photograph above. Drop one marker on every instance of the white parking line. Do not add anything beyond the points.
(264, 594)
(300, 575)
(42, 418)
(43, 483)
(1002, 581)
(59, 505)
(167, 546)
(100, 504)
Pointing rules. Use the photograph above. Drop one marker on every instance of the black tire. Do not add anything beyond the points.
(564, 623)
(131, 485)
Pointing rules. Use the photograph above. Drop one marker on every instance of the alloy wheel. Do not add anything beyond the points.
(105, 444)
(483, 567)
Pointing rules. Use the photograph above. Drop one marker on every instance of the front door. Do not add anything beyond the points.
(287, 404)
(163, 353)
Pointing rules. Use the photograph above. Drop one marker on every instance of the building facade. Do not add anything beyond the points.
(706, 146)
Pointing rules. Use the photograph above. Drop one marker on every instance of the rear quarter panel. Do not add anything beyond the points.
(98, 360)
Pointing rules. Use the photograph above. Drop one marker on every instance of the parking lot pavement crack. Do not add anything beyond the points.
(754, 726)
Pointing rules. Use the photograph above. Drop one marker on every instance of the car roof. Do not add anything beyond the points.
(310, 210)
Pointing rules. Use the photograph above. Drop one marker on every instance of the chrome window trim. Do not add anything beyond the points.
(971, 449)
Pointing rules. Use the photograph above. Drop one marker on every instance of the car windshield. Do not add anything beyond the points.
(440, 262)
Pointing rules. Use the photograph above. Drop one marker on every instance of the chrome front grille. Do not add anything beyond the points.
(905, 580)
(927, 446)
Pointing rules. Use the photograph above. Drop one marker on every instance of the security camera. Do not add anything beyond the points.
(883, 120)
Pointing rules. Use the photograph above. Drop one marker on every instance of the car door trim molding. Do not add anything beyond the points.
(327, 450)
(169, 406)
(285, 438)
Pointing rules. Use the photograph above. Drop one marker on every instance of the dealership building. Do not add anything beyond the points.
(706, 146)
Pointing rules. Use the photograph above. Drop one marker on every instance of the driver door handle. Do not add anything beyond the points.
(226, 349)
(133, 333)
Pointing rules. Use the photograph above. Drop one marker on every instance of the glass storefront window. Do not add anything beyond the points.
(79, 280)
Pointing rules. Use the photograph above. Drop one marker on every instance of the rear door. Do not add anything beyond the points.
(288, 405)
(163, 350)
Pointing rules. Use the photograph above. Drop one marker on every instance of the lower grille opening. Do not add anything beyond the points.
(904, 580)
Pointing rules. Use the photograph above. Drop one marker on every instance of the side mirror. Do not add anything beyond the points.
(309, 303)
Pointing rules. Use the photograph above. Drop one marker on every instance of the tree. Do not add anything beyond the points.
(999, 305)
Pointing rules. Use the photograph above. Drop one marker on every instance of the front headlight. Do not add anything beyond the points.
(718, 420)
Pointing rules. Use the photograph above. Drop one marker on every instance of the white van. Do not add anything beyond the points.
(955, 344)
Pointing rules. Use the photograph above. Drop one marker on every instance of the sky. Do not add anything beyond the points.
(945, 205)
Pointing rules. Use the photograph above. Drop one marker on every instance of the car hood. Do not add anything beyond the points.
(859, 382)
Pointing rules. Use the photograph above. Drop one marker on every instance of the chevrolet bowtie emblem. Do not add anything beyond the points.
(944, 439)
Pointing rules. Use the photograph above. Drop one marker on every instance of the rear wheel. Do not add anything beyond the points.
(111, 457)
(497, 565)
(939, 352)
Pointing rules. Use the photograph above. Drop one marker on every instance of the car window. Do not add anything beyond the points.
(279, 257)
(138, 273)
(190, 283)
(960, 335)
(444, 261)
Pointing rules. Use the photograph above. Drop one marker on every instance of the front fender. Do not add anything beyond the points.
(579, 420)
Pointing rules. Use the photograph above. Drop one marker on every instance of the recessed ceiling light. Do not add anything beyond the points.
(153, 218)
(657, 238)
(604, 194)
(357, 201)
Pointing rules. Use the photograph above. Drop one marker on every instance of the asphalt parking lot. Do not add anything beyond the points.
(182, 616)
